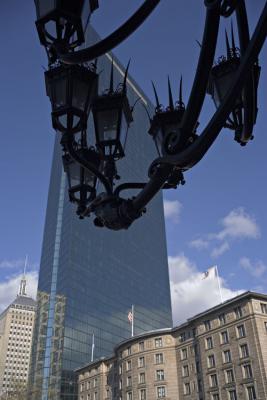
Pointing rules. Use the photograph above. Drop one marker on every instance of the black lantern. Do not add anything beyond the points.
(165, 125)
(81, 182)
(112, 117)
(71, 90)
(63, 20)
(221, 79)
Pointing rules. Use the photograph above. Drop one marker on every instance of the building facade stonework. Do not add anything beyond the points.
(16, 328)
(220, 354)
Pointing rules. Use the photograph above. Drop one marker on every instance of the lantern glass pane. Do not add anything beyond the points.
(108, 124)
(75, 173)
(73, 7)
(59, 93)
(80, 93)
(43, 7)
(63, 120)
(222, 86)
(124, 129)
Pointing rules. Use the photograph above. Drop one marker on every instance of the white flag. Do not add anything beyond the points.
(210, 273)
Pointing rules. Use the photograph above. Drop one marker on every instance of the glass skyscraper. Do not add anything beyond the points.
(90, 277)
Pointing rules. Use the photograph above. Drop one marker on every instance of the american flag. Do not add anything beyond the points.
(130, 316)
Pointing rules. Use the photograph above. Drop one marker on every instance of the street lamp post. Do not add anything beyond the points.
(72, 89)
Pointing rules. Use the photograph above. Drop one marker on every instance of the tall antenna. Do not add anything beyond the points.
(22, 286)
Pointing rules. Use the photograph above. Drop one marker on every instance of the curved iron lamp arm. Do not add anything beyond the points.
(205, 62)
(134, 185)
(193, 154)
(111, 41)
(248, 99)
(85, 164)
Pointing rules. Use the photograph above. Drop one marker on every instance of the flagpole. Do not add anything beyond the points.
(132, 320)
(93, 348)
(219, 284)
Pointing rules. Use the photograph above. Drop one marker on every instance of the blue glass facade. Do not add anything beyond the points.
(90, 277)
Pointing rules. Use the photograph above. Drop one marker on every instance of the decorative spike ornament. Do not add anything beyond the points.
(111, 83)
(156, 95)
(233, 40)
(228, 49)
(171, 105)
(181, 92)
(124, 88)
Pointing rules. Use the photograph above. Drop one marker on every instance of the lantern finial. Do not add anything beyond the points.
(156, 95)
(124, 88)
(181, 91)
(233, 39)
(111, 83)
(227, 46)
(171, 106)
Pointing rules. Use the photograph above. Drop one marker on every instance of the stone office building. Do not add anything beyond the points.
(16, 328)
(220, 354)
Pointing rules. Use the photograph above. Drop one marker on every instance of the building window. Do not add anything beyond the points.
(82, 387)
(184, 354)
(129, 351)
(161, 392)
(247, 371)
(129, 381)
(251, 393)
(141, 362)
(183, 337)
(238, 312)
(185, 370)
(244, 350)
(160, 375)
(95, 382)
(224, 337)
(213, 380)
(211, 361)
(158, 342)
(197, 367)
(129, 396)
(241, 331)
(120, 369)
(120, 384)
(159, 358)
(207, 325)
(141, 346)
(215, 396)
(229, 374)
(232, 394)
(129, 365)
(227, 356)
(265, 325)
(264, 308)
(187, 389)
(95, 395)
(222, 319)
(142, 377)
(209, 343)
(142, 394)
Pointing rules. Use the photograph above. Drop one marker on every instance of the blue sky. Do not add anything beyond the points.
(218, 217)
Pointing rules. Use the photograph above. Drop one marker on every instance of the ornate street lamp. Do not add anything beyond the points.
(165, 125)
(82, 183)
(62, 22)
(71, 90)
(112, 117)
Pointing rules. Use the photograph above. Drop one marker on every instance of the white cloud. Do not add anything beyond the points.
(190, 293)
(9, 288)
(219, 250)
(199, 244)
(172, 209)
(12, 263)
(256, 269)
(238, 224)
